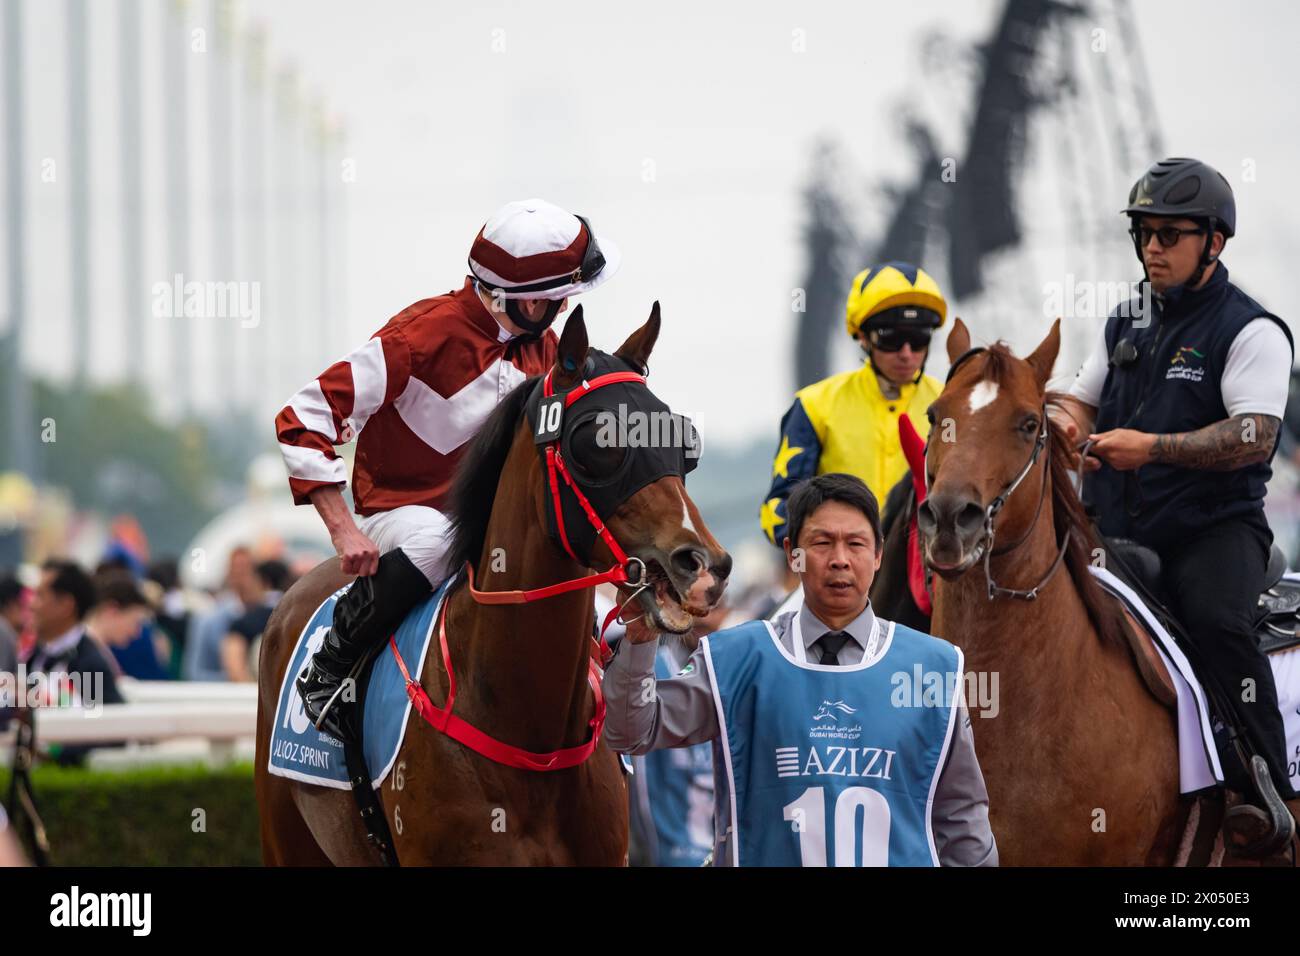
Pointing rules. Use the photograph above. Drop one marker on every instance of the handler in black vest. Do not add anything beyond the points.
(1184, 403)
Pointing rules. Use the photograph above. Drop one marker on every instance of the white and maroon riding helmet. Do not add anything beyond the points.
(533, 249)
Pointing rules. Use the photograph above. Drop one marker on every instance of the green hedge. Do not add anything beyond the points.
(145, 816)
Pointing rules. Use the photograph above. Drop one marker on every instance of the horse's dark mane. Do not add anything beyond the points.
(897, 504)
(474, 487)
(1068, 514)
(891, 589)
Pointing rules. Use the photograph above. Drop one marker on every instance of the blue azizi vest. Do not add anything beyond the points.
(674, 789)
(831, 765)
(1174, 386)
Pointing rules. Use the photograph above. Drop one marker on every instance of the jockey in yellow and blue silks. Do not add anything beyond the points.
(849, 422)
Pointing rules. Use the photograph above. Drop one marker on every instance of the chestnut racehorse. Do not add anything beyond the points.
(521, 669)
(1081, 760)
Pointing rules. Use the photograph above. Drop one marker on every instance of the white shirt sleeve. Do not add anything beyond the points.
(1092, 374)
(1258, 371)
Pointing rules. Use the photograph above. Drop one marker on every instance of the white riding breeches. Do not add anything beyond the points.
(421, 532)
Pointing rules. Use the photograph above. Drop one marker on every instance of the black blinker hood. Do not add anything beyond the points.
(658, 443)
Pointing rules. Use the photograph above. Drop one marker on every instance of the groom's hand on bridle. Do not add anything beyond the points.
(1066, 422)
(641, 631)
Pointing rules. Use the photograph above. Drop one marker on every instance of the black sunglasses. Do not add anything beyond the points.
(892, 339)
(1169, 236)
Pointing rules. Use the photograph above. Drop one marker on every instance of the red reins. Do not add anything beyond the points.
(442, 719)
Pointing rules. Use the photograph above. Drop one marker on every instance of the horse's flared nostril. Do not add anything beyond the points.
(688, 560)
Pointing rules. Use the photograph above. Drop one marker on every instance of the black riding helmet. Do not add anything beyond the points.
(1187, 188)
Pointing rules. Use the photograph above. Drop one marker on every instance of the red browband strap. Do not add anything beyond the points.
(442, 718)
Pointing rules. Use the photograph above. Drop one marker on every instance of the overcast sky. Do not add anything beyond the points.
(684, 130)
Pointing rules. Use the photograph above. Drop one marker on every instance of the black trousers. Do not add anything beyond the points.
(1214, 580)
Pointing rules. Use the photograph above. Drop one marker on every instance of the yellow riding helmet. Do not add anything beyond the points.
(893, 285)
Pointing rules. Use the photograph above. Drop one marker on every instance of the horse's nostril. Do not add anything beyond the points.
(687, 560)
(970, 517)
(925, 519)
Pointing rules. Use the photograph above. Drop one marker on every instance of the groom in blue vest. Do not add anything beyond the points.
(839, 738)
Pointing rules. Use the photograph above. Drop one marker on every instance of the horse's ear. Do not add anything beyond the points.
(639, 344)
(572, 355)
(958, 340)
(1044, 357)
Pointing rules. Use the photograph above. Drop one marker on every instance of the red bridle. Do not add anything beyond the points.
(618, 574)
(442, 718)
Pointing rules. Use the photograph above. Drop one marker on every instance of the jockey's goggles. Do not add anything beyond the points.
(892, 338)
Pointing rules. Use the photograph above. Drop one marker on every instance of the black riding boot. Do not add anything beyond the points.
(364, 618)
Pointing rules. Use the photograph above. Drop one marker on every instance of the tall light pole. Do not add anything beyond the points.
(222, 152)
(290, 334)
(255, 209)
(176, 148)
(133, 283)
(22, 457)
(79, 192)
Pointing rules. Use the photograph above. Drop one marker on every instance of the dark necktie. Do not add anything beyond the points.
(830, 644)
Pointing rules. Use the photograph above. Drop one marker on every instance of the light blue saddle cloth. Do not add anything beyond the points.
(301, 752)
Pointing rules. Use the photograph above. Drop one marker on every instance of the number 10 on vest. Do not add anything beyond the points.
(807, 816)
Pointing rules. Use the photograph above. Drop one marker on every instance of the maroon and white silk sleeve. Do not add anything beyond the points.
(333, 408)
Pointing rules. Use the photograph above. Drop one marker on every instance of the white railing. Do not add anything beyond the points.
(146, 723)
(219, 715)
(157, 691)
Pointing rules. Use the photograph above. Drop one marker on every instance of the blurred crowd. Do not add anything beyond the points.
(63, 625)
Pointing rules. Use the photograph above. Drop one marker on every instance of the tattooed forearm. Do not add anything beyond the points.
(1232, 443)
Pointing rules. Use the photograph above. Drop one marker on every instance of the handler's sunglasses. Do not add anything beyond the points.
(1168, 236)
(893, 339)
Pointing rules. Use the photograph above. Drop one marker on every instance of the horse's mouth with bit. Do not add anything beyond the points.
(950, 572)
(664, 603)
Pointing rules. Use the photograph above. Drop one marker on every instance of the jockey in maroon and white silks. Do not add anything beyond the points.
(412, 397)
